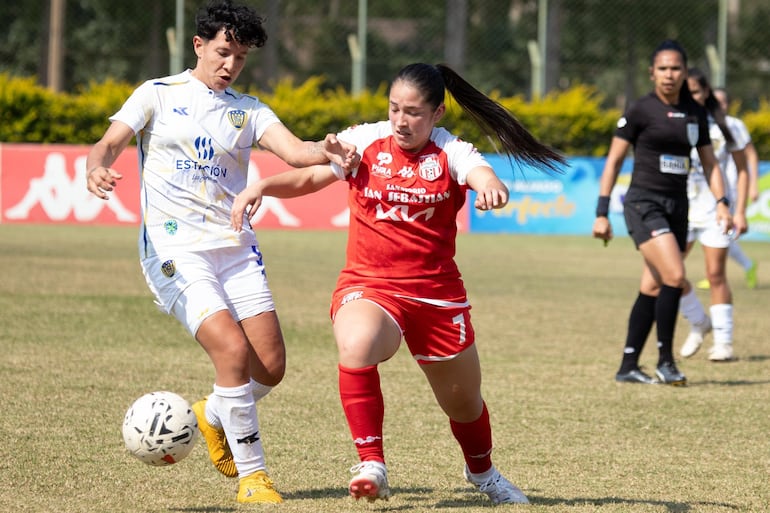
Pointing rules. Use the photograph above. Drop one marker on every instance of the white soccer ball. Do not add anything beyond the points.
(160, 428)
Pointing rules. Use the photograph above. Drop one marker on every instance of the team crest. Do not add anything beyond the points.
(237, 118)
(430, 168)
(168, 268)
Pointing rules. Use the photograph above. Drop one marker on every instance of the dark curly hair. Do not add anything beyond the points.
(240, 23)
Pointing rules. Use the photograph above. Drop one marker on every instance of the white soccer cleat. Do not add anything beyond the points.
(695, 339)
(722, 352)
(370, 481)
(498, 489)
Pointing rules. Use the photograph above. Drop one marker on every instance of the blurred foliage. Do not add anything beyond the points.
(606, 44)
(572, 121)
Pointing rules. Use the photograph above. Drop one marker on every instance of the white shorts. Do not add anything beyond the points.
(193, 285)
(711, 236)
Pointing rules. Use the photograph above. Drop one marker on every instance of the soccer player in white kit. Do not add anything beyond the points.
(400, 279)
(728, 143)
(194, 137)
(738, 127)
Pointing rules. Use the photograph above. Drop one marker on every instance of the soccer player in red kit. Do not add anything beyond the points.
(400, 279)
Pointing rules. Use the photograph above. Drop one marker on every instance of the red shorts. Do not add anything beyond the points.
(435, 330)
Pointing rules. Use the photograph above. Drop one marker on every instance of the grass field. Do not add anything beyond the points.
(80, 339)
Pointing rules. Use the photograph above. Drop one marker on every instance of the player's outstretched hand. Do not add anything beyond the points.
(246, 202)
(341, 153)
(491, 197)
(101, 180)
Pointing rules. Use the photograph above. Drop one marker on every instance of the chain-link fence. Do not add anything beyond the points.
(510, 46)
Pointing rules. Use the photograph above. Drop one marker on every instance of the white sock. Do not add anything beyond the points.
(722, 322)
(258, 390)
(735, 251)
(237, 411)
(484, 476)
(211, 412)
(693, 311)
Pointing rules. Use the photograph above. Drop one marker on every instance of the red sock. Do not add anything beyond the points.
(475, 441)
(364, 408)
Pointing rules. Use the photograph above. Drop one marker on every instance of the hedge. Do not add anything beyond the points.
(572, 121)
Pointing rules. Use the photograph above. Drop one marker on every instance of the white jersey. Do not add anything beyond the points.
(194, 146)
(702, 201)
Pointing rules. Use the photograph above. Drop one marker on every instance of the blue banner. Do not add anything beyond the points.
(565, 204)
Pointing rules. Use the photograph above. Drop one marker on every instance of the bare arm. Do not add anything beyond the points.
(716, 184)
(739, 216)
(289, 184)
(752, 164)
(617, 154)
(100, 178)
(298, 153)
(491, 192)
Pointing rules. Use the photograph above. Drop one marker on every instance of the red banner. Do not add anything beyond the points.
(47, 184)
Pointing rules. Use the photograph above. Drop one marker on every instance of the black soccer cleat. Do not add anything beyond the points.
(668, 374)
(635, 376)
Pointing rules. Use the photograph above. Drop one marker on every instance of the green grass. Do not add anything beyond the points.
(80, 339)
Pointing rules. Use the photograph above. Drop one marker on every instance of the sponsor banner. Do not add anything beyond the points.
(47, 184)
(565, 204)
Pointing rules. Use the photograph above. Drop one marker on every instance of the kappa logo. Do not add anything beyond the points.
(368, 440)
(352, 296)
(61, 196)
(249, 439)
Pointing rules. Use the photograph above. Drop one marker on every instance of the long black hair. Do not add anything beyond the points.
(491, 117)
(711, 103)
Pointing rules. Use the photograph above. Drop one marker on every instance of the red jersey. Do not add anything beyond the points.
(403, 211)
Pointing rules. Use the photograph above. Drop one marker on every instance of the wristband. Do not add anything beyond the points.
(724, 201)
(603, 206)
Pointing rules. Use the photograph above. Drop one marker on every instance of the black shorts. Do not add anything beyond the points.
(649, 214)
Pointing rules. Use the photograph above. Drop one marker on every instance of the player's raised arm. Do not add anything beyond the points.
(289, 184)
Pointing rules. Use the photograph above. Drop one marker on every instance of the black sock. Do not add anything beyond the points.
(666, 313)
(639, 325)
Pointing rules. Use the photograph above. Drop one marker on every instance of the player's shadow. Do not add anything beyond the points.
(422, 498)
(669, 506)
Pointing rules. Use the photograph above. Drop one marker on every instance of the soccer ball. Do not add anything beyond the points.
(160, 428)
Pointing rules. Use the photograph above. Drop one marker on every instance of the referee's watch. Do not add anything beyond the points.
(724, 201)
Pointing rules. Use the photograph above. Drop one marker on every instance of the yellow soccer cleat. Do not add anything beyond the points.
(751, 276)
(219, 451)
(258, 488)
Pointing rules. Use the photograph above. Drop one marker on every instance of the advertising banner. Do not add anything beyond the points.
(551, 203)
(42, 183)
(47, 184)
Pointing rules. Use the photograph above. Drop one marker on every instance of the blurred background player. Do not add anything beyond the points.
(735, 251)
(662, 127)
(728, 145)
